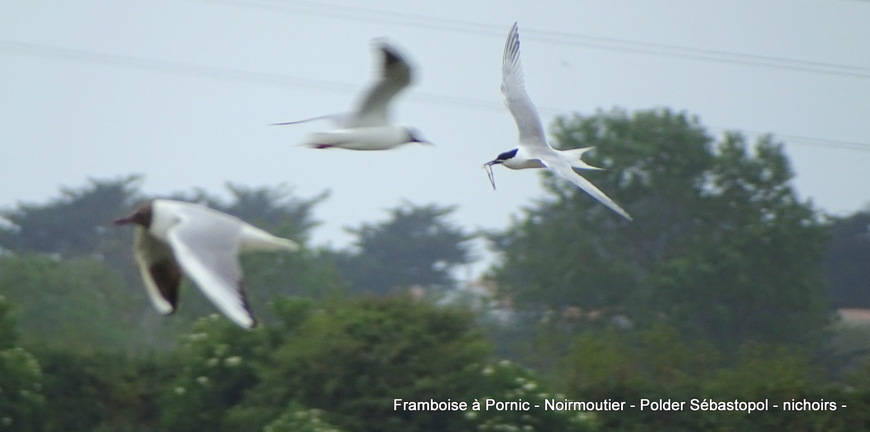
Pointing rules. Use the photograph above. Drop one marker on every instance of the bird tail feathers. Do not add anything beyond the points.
(575, 158)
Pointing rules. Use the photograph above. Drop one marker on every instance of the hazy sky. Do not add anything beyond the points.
(183, 91)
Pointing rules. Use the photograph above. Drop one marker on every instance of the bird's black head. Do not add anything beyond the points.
(507, 155)
(503, 157)
(500, 159)
(142, 216)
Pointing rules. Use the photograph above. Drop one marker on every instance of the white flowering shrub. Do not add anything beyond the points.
(513, 400)
(215, 370)
(300, 419)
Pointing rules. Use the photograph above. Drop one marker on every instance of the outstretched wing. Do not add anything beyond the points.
(207, 248)
(160, 272)
(517, 100)
(563, 169)
(395, 76)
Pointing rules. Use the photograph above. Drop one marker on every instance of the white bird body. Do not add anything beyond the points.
(532, 150)
(361, 138)
(174, 238)
(368, 126)
(573, 157)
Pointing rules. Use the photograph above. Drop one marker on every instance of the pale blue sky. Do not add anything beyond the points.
(182, 91)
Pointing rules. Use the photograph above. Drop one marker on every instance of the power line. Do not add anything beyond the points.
(814, 141)
(230, 74)
(356, 13)
(167, 66)
(222, 73)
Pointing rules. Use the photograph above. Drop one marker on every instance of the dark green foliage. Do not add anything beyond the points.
(272, 276)
(720, 248)
(76, 224)
(847, 261)
(101, 390)
(8, 324)
(77, 304)
(351, 359)
(417, 246)
(21, 392)
(655, 364)
(215, 367)
(347, 359)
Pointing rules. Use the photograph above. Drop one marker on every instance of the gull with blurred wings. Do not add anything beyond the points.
(368, 127)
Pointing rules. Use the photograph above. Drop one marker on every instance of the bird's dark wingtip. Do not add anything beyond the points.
(390, 55)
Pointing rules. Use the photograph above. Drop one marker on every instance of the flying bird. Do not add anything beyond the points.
(533, 151)
(175, 238)
(368, 126)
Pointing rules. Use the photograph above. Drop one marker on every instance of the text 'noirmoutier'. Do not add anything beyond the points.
(496, 405)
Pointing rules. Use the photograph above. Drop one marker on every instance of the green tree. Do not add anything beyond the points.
(847, 261)
(352, 359)
(658, 364)
(8, 324)
(78, 223)
(417, 245)
(78, 304)
(216, 363)
(721, 247)
(21, 398)
(346, 359)
(101, 390)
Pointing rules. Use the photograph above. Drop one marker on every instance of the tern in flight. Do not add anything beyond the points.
(368, 127)
(533, 151)
(173, 238)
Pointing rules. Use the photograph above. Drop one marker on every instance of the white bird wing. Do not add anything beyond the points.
(532, 138)
(562, 168)
(159, 269)
(207, 246)
(395, 76)
(517, 100)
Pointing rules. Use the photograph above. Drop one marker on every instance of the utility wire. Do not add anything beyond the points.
(556, 37)
(168, 66)
(230, 74)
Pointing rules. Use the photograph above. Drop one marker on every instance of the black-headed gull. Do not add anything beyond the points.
(533, 151)
(368, 127)
(174, 238)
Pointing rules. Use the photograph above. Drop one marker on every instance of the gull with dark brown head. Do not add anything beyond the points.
(533, 150)
(175, 238)
(368, 126)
